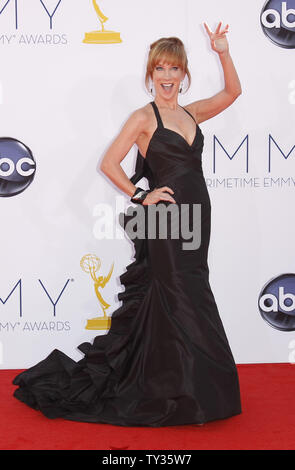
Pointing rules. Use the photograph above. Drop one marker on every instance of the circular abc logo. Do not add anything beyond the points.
(277, 20)
(17, 167)
(276, 302)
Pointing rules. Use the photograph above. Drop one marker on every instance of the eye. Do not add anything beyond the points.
(175, 67)
(158, 67)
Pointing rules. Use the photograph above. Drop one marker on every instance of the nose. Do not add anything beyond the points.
(167, 74)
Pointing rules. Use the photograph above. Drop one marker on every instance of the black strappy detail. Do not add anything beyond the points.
(161, 125)
(189, 113)
(159, 119)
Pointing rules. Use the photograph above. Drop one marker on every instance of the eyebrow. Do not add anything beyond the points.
(173, 65)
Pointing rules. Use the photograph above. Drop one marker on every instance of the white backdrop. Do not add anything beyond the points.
(67, 100)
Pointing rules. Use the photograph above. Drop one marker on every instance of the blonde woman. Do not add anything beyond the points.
(166, 359)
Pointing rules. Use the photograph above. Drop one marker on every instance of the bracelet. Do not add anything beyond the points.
(139, 195)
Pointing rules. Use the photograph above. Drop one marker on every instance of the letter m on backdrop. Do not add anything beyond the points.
(228, 155)
(29, 2)
(15, 9)
(270, 138)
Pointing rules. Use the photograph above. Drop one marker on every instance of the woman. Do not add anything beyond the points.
(166, 359)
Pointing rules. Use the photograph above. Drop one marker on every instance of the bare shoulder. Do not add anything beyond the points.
(145, 120)
(192, 108)
(142, 119)
(142, 115)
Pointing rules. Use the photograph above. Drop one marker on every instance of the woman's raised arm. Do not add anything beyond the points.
(207, 108)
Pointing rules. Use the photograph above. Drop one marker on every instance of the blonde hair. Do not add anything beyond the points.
(170, 50)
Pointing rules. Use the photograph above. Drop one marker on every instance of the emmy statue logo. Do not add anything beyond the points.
(102, 36)
(91, 264)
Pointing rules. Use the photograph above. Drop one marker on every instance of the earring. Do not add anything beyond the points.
(152, 88)
(181, 85)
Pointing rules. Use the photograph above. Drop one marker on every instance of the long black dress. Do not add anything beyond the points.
(166, 359)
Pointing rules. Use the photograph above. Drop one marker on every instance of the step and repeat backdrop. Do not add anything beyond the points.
(71, 73)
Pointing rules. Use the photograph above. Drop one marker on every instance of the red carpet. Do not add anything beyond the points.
(267, 421)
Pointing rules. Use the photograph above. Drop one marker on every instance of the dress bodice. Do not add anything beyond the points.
(169, 155)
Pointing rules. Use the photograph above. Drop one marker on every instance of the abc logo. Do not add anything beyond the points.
(276, 302)
(278, 22)
(17, 167)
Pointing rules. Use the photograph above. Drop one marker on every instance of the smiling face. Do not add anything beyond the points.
(167, 64)
(167, 78)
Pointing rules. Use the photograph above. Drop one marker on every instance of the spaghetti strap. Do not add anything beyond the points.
(159, 120)
(189, 113)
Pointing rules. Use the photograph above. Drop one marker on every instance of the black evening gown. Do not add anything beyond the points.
(166, 359)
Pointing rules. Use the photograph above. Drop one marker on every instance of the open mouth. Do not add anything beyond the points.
(167, 86)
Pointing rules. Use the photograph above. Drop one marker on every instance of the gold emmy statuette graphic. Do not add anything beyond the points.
(90, 264)
(103, 36)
